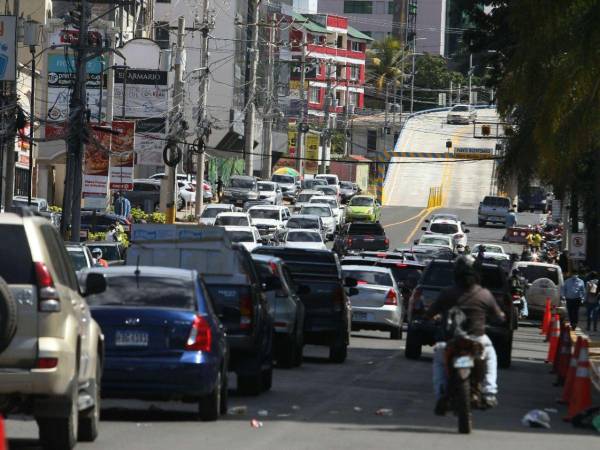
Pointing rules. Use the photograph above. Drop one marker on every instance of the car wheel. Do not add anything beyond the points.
(287, 356)
(8, 315)
(249, 384)
(396, 333)
(413, 346)
(504, 352)
(180, 203)
(209, 406)
(60, 433)
(338, 351)
(89, 420)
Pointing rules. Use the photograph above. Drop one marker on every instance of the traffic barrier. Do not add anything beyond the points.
(570, 378)
(3, 445)
(435, 197)
(516, 235)
(547, 317)
(581, 396)
(554, 338)
(561, 363)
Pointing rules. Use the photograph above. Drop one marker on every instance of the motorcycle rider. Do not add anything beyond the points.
(476, 302)
(518, 286)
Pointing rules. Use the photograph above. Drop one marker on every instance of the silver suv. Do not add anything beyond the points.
(50, 347)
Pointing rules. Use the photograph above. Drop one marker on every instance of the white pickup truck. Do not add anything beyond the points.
(493, 209)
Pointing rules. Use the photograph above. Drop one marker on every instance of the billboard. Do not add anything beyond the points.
(95, 175)
(311, 153)
(8, 39)
(122, 155)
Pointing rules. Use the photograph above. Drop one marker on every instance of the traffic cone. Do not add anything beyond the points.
(561, 362)
(581, 396)
(547, 317)
(3, 445)
(554, 338)
(570, 378)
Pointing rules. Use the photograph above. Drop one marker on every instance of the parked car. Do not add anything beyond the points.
(208, 216)
(240, 219)
(50, 347)
(363, 208)
(450, 227)
(285, 307)
(188, 184)
(378, 304)
(289, 184)
(327, 308)
(271, 192)
(37, 204)
(332, 201)
(311, 183)
(80, 256)
(99, 222)
(233, 283)
(359, 236)
(299, 238)
(164, 340)
(249, 237)
(439, 275)
(347, 191)
(324, 211)
(436, 240)
(305, 196)
(241, 189)
(493, 209)
(545, 281)
(270, 220)
(461, 114)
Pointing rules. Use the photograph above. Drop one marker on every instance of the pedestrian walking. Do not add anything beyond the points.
(573, 291)
(121, 205)
(511, 218)
(219, 187)
(592, 302)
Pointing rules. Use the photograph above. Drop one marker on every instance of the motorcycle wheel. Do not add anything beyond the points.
(463, 407)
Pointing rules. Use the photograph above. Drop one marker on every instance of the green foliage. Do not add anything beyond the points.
(138, 215)
(55, 209)
(157, 217)
(99, 236)
(384, 62)
(338, 143)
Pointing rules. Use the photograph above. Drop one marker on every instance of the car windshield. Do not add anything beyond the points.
(533, 273)
(330, 180)
(303, 236)
(152, 292)
(439, 275)
(443, 228)
(266, 187)
(301, 222)
(331, 202)
(232, 220)
(241, 236)
(434, 240)
(488, 248)
(260, 213)
(361, 201)
(285, 179)
(303, 198)
(78, 259)
(242, 183)
(211, 213)
(497, 201)
(368, 277)
(346, 185)
(321, 211)
(109, 252)
(326, 190)
(460, 108)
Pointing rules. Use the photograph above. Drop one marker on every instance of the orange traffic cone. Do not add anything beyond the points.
(3, 445)
(581, 396)
(547, 318)
(566, 395)
(561, 363)
(554, 338)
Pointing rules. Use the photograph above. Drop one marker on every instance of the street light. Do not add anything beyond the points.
(31, 37)
(412, 81)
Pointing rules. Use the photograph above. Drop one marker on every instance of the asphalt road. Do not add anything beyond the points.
(329, 406)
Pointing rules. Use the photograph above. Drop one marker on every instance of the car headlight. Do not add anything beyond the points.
(252, 195)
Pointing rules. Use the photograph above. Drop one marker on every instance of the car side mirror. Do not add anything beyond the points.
(350, 282)
(424, 228)
(303, 290)
(95, 283)
(353, 291)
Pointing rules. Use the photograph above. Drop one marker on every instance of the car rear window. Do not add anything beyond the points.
(366, 228)
(496, 201)
(109, 252)
(233, 221)
(240, 236)
(439, 275)
(434, 240)
(402, 272)
(16, 266)
(143, 291)
(443, 228)
(492, 278)
(78, 258)
(302, 223)
(224, 294)
(369, 277)
(533, 273)
(303, 236)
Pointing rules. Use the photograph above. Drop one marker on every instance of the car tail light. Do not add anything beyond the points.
(349, 241)
(361, 282)
(416, 303)
(48, 297)
(200, 335)
(386, 241)
(273, 267)
(401, 265)
(381, 255)
(246, 312)
(46, 363)
(391, 298)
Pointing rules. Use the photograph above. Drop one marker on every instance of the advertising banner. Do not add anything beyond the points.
(311, 164)
(8, 39)
(95, 175)
(292, 144)
(122, 155)
(577, 249)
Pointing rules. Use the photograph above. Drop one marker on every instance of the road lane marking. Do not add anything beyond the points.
(406, 220)
(427, 211)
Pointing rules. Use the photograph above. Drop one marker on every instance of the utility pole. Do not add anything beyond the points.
(347, 149)
(387, 106)
(326, 133)
(450, 96)
(412, 80)
(267, 111)
(170, 184)
(252, 61)
(11, 135)
(470, 77)
(300, 133)
(203, 127)
(71, 218)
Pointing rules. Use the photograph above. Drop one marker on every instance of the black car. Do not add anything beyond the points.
(96, 222)
(242, 307)
(327, 308)
(360, 236)
(439, 275)
(241, 189)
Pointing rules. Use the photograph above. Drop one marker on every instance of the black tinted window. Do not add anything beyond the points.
(78, 259)
(16, 266)
(439, 275)
(533, 273)
(302, 223)
(366, 228)
(492, 279)
(152, 292)
(496, 201)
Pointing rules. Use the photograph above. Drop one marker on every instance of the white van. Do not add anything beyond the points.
(331, 178)
(545, 281)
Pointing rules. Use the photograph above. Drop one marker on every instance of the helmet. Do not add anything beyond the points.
(465, 273)
(97, 253)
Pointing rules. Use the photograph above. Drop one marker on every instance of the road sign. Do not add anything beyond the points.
(577, 246)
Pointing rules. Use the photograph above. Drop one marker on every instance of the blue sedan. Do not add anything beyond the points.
(163, 340)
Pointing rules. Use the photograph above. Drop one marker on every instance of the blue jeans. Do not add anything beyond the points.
(593, 311)
(525, 310)
(440, 381)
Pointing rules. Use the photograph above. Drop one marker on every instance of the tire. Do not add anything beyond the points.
(60, 433)
(504, 353)
(249, 384)
(299, 355)
(287, 355)
(224, 393)
(8, 316)
(89, 420)
(396, 333)
(338, 352)
(209, 406)
(463, 407)
(413, 347)
(267, 379)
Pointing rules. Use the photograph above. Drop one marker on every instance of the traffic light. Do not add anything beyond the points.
(412, 8)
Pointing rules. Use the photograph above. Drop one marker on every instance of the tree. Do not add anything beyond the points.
(432, 76)
(384, 62)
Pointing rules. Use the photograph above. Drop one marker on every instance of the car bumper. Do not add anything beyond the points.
(321, 331)
(192, 375)
(491, 218)
(461, 120)
(386, 317)
(360, 218)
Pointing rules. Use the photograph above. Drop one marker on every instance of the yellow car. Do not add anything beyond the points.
(363, 208)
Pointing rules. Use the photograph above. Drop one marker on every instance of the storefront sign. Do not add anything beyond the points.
(95, 178)
(122, 155)
(311, 163)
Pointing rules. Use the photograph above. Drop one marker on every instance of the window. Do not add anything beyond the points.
(353, 98)
(372, 140)
(358, 7)
(390, 8)
(16, 265)
(161, 34)
(356, 46)
(340, 42)
(354, 72)
(314, 94)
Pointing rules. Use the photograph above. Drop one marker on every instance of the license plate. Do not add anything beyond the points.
(497, 218)
(359, 315)
(131, 339)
